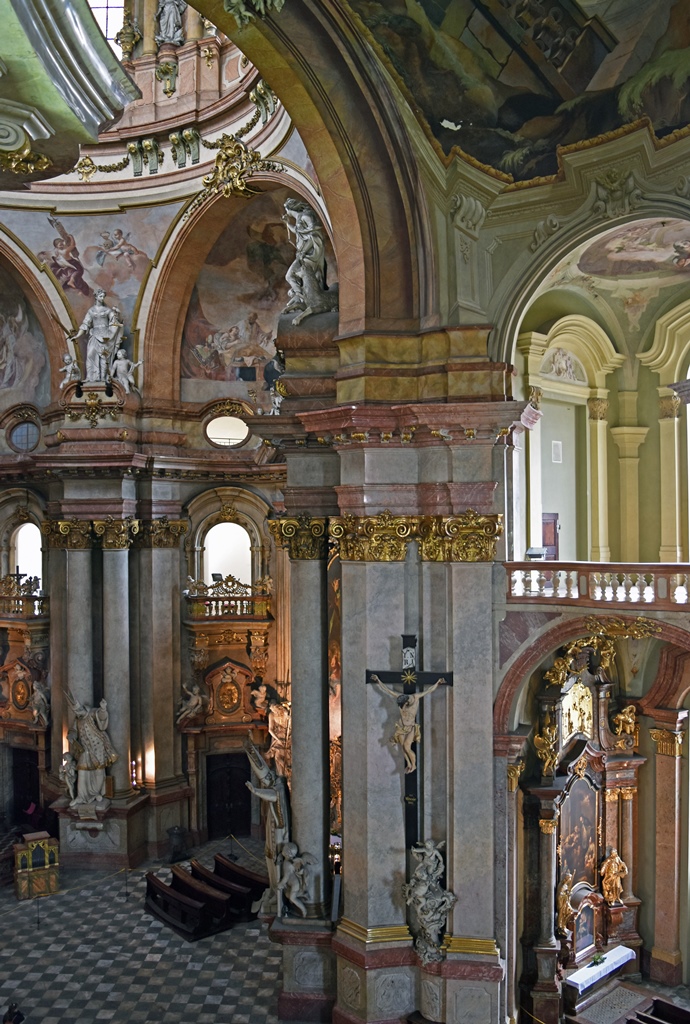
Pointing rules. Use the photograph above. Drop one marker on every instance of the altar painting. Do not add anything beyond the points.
(583, 938)
(578, 833)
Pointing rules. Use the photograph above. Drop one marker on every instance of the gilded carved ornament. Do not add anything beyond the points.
(116, 534)
(580, 767)
(72, 533)
(85, 167)
(514, 771)
(93, 409)
(235, 164)
(546, 747)
(611, 796)
(161, 533)
(11, 586)
(548, 825)
(468, 537)
(625, 721)
(623, 629)
(667, 742)
(303, 536)
(628, 793)
(24, 160)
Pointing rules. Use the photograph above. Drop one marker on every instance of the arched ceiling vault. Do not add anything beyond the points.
(342, 104)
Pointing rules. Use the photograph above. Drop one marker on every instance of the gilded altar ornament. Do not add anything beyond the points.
(23, 160)
(577, 711)
(616, 628)
(93, 410)
(546, 746)
(564, 908)
(209, 54)
(166, 72)
(128, 36)
(612, 871)
(431, 904)
(303, 536)
(625, 721)
(580, 767)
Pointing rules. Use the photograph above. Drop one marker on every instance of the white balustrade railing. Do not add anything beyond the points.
(596, 583)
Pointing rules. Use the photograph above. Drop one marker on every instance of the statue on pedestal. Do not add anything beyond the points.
(191, 705)
(40, 703)
(103, 328)
(93, 750)
(612, 870)
(294, 878)
(306, 275)
(431, 903)
(169, 17)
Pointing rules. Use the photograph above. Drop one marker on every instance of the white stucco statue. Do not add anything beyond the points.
(93, 750)
(429, 902)
(103, 329)
(306, 275)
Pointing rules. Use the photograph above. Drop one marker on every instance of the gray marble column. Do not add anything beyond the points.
(116, 683)
(547, 872)
(79, 625)
(309, 795)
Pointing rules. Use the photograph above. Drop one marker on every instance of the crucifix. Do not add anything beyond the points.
(407, 732)
(17, 576)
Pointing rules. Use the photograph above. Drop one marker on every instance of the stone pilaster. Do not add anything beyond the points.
(599, 502)
(669, 468)
(628, 441)
(666, 959)
(509, 768)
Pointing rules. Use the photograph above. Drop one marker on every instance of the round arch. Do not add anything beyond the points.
(527, 662)
(229, 505)
(315, 58)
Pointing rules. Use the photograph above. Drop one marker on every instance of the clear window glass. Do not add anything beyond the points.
(27, 551)
(109, 15)
(25, 436)
(227, 431)
(227, 552)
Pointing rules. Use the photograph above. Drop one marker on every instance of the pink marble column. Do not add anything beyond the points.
(666, 962)
(626, 841)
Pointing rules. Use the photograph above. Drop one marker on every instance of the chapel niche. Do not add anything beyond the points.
(580, 787)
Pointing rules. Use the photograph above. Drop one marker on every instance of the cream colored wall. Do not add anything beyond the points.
(650, 478)
(559, 481)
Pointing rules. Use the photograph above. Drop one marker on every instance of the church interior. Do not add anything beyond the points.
(344, 491)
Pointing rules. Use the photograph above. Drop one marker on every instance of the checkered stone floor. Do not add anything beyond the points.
(90, 954)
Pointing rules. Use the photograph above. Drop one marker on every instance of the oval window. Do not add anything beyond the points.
(24, 436)
(227, 431)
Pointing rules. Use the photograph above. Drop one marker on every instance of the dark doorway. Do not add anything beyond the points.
(26, 792)
(549, 535)
(228, 801)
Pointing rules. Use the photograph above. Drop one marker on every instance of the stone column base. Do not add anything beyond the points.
(666, 968)
(377, 981)
(308, 991)
(105, 839)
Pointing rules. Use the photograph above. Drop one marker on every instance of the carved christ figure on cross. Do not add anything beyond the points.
(407, 730)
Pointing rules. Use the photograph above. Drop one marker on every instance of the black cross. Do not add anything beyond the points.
(17, 576)
(412, 681)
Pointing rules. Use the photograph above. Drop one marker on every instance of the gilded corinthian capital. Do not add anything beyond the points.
(67, 533)
(381, 538)
(303, 536)
(116, 534)
(468, 537)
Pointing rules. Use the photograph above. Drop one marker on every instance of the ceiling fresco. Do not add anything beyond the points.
(638, 271)
(508, 81)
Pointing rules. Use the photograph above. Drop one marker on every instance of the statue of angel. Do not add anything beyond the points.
(191, 705)
(293, 883)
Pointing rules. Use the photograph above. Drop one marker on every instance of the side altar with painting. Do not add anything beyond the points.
(580, 790)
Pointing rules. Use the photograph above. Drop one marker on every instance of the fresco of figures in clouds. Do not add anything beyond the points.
(634, 268)
(86, 252)
(233, 313)
(24, 369)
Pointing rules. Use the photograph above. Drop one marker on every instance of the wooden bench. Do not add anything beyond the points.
(232, 872)
(188, 917)
(217, 903)
(240, 895)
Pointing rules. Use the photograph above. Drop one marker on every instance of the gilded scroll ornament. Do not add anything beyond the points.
(546, 746)
(667, 742)
(235, 164)
(24, 161)
(93, 410)
(468, 537)
(617, 628)
(161, 533)
(303, 536)
(514, 771)
(67, 533)
(116, 534)
(85, 167)
(11, 586)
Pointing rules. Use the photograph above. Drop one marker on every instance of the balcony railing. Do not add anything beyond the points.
(228, 599)
(24, 607)
(599, 583)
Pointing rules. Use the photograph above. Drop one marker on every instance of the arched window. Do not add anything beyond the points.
(26, 555)
(227, 552)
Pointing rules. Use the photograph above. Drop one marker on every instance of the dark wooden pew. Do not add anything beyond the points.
(189, 917)
(218, 903)
(669, 1012)
(240, 876)
(240, 895)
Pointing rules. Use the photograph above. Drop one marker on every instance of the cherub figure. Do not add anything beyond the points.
(624, 721)
(191, 705)
(122, 370)
(70, 369)
(294, 878)
(407, 730)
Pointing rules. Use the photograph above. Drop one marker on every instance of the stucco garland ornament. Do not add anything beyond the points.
(244, 10)
(235, 163)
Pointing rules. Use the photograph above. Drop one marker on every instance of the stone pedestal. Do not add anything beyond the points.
(308, 991)
(105, 839)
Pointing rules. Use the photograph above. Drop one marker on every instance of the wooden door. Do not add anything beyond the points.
(228, 801)
(549, 535)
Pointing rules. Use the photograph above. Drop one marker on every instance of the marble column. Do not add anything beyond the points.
(79, 638)
(547, 873)
(611, 814)
(627, 840)
(535, 505)
(666, 959)
(116, 537)
(669, 467)
(508, 771)
(628, 441)
(599, 502)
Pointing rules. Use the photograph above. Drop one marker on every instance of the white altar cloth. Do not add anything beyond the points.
(585, 977)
